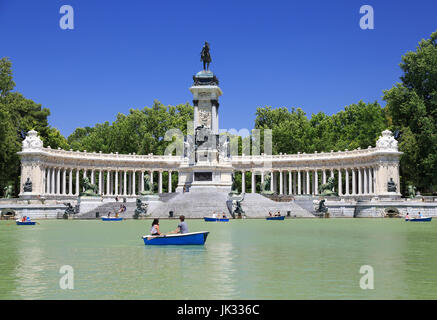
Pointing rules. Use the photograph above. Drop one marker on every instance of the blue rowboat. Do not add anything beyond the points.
(111, 219)
(276, 218)
(427, 219)
(179, 239)
(25, 223)
(211, 219)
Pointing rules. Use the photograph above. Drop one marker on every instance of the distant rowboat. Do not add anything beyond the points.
(111, 219)
(192, 238)
(424, 219)
(211, 219)
(25, 223)
(276, 218)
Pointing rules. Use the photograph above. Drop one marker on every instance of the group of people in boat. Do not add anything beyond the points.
(419, 216)
(25, 218)
(120, 210)
(181, 228)
(277, 214)
(219, 215)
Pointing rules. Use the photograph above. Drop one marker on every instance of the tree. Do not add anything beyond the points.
(412, 105)
(6, 82)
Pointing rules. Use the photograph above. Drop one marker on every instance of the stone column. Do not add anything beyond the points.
(281, 183)
(324, 177)
(77, 181)
(160, 182)
(369, 184)
(308, 190)
(347, 181)
(243, 181)
(117, 188)
(70, 184)
(316, 182)
(332, 173)
(125, 183)
(92, 176)
(253, 185)
(290, 183)
(262, 177)
(58, 181)
(299, 183)
(366, 191)
(169, 182)
(142, 181)
(108, 182)
(272, 176)
(360, 182)
(134, 173)
(64, 181)
(354, 182)
(340, 183)
(49, 179)
(100, 181)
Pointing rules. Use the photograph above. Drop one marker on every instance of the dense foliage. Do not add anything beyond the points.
(412, 105)
(18, 115)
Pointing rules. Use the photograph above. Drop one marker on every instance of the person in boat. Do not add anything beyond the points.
(420, 215)
(23, 219)
(182, 226)
(224, 215)
(154, 231)
(407, 216)
(109, 213)
(270, 214)
(214, 215)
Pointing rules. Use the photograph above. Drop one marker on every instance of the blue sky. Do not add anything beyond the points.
(124, 54)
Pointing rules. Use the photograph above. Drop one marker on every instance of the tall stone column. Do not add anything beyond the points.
(70, 184)
(369, 178)
(243, 181)
(125, 183)
(354, 182)
(64, 181)
(360, 182)
(290, 182)
(100, 181)
(92, 176)
(324, 176)
(272, 181)
(281, 183)
(160, 182)
(253, 186)
(340, 183)
(262, 177)
(316, 182)
(299, 183)
(134, 173)
(365, 191)
(58, 181)
(142, 181)
(169, 182)
(117, 188)
(308, 190)
(108, 182)
(347, 181)
(77, 181)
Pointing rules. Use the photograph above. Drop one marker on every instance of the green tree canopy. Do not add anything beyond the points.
(412, 105)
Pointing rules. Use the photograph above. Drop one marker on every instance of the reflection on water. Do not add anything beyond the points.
(294, 259)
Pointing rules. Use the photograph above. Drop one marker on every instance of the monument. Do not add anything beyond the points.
(206, 166)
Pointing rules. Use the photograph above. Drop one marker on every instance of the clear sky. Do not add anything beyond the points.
(124, 54)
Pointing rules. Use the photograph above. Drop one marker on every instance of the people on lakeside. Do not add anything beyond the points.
(154, 231)
(116, 199)
(182, 226)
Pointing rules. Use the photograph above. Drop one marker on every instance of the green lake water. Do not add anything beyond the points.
(244, 259)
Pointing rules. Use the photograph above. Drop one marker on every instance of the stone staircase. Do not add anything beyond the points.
(200, 204)
(112, 207)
